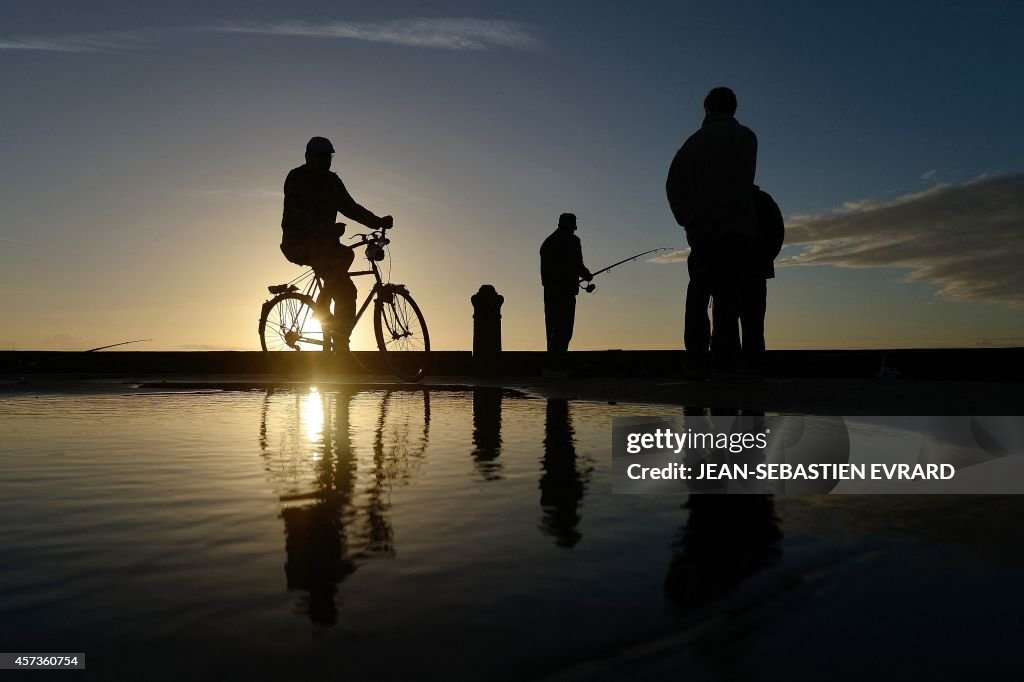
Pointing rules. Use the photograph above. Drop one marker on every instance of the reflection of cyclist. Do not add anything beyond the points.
(313, 197)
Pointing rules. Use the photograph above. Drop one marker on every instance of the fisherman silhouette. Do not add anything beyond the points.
(754, 292)
(710, 191)
(561, 268)
(313, 197)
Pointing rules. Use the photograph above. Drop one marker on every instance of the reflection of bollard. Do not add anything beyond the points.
(486, 329)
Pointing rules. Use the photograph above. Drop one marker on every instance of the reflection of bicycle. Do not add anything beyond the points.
(287, 321)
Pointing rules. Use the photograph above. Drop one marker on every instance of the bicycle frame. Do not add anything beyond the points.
(315, 288)
(287, 319)
(378, 285)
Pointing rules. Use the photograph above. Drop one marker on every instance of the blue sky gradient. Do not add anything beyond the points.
(143, 151)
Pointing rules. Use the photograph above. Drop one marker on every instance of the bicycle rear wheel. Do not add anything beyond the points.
(401, 332)
(287, 323)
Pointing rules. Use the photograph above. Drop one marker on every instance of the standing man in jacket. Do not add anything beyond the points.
(710, 191)
(561, 269)
(771, 232)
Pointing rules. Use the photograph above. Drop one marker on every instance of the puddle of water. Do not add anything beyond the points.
(444, 535)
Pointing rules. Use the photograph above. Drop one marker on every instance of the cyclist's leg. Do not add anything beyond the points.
(344, 293)
(338, 287)
(325, 264)
(310, 253)
(322, 304)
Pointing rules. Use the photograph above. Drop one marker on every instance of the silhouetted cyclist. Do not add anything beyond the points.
(561, 268)
(313, 197)
(710, 191)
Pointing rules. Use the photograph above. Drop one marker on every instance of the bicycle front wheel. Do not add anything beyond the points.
(401, 333)
(287, 323)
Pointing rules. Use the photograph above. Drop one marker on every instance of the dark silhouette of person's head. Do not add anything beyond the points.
(720, 100)
(319, 152)
(567, 221)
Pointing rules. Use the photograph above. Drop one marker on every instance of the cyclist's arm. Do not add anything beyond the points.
(349, 208)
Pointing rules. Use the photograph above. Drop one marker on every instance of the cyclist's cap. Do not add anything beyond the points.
(567, 219)
(319, 145)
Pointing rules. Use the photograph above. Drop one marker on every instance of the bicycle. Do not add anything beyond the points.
(287, 321)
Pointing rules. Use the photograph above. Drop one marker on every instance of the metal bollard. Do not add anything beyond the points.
(486, 329)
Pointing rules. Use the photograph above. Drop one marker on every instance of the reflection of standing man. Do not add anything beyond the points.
(727, 539)
(561, 268)
(710, 191)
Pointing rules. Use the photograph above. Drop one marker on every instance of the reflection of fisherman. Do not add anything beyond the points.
(313, 197)
(562, 485)
(561, 268)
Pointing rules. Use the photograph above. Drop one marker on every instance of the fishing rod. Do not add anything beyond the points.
(44, 361)
(590, 288)
(123, 343)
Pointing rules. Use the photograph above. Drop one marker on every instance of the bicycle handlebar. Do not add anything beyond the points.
(369, 239)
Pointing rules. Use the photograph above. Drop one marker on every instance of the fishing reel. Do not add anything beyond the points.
(590, 288)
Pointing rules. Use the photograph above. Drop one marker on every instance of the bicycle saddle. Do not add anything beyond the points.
(281, 288)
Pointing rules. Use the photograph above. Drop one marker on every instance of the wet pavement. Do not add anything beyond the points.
(278, 527)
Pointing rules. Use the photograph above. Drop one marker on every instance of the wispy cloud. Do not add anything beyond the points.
(1001, 342)
(92, 42)
(448, 34)
(967, 238)
(929, 174)
(62, 341)
(671, 257)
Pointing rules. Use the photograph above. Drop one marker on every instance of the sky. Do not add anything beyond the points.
(143, 148)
